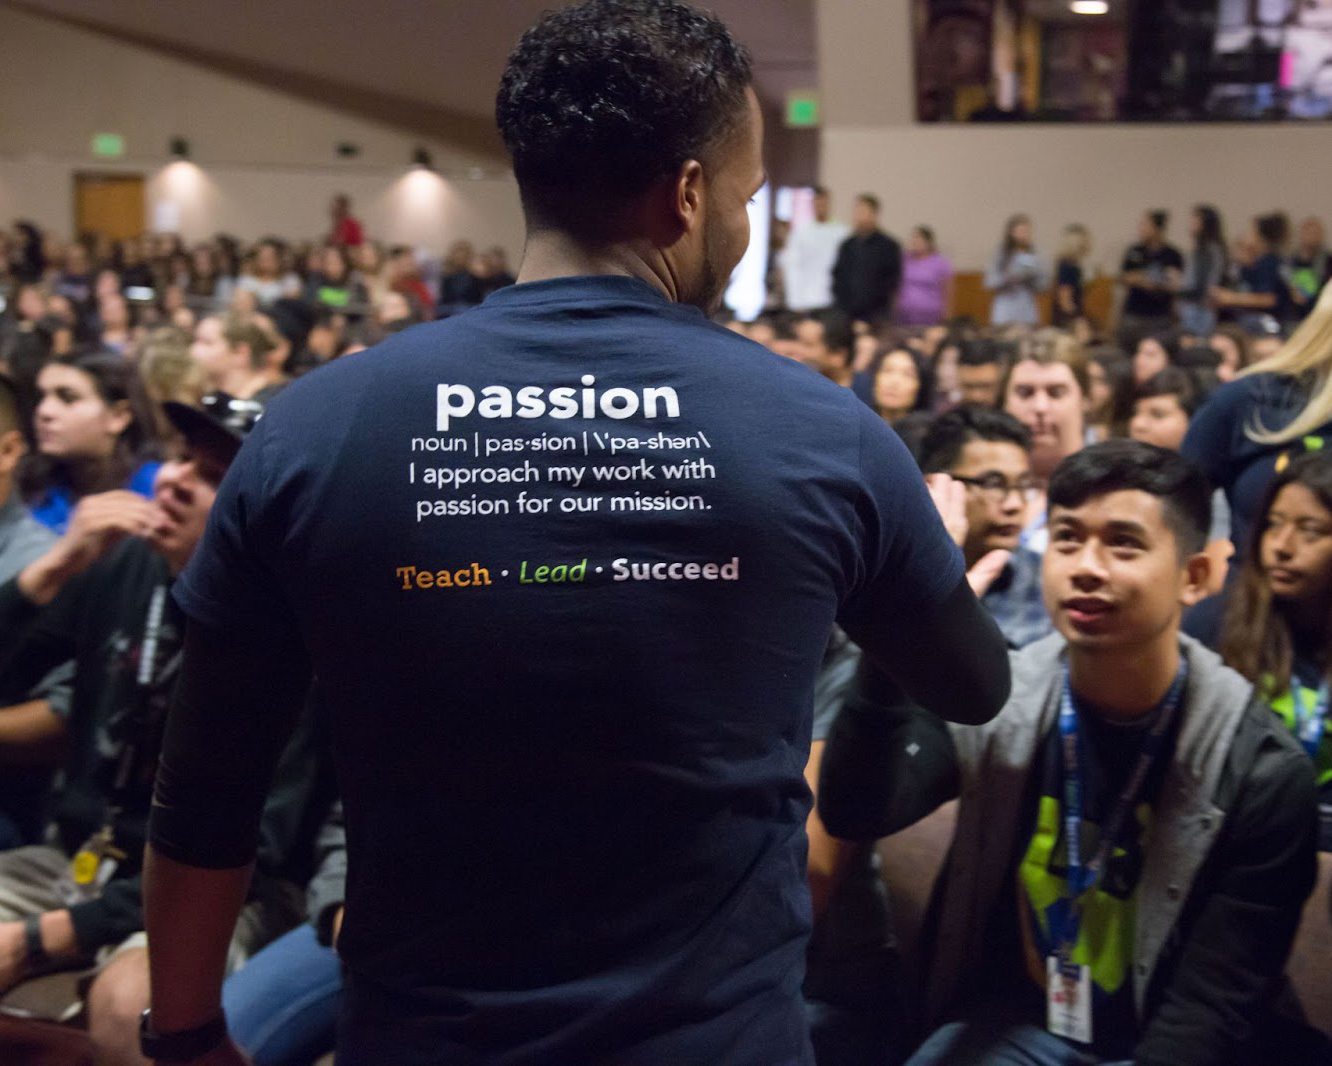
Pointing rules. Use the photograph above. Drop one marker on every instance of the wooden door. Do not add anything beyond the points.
(109, 204)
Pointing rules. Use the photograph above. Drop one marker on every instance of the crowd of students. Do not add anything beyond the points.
(1058, 437)
(1077, 463)
(140, 297)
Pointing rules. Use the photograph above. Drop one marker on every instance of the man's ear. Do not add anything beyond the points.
(1197, 579)
(120, 417)
(673, 208)
(688, 195)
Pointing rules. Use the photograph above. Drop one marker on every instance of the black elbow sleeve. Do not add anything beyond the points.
(224, 734)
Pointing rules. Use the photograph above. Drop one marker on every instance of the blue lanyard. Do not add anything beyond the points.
(1085, 878)
(1310, 722)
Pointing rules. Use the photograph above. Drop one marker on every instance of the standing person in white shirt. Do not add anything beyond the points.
(809, 257)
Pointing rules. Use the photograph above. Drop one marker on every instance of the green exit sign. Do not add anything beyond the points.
(108, 145)
(802, 109)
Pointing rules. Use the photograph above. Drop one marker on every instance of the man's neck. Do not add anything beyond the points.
(1123, 685)
(243, 382)
(550, 255)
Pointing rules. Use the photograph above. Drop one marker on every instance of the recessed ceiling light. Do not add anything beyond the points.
(1089, 7)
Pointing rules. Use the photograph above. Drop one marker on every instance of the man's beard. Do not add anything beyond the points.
(707, 295)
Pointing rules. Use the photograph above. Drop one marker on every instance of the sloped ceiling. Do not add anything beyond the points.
(428, 66)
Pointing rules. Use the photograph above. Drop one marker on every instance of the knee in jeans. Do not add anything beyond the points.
(119, 994)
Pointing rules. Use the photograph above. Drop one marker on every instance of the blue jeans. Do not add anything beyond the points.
(282, 1005)
(981, 1044)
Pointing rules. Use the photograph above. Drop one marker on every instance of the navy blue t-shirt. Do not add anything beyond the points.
(565, 565)
(1218, 442)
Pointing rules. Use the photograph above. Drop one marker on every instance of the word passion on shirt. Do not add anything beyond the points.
(552, 472)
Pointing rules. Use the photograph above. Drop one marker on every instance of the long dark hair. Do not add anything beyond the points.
(1118, 370)
(924, 374)
(116, 381)
(1210, 229)
(1010, 244)
(1255, 634)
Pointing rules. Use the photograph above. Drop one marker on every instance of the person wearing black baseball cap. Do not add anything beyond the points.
(100, 596)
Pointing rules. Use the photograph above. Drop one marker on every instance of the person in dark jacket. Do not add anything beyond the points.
(868, 270)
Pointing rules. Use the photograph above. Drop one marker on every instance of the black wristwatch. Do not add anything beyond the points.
(185, 1045)
(32, 941)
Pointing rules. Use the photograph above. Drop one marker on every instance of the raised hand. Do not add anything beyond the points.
(98, 523)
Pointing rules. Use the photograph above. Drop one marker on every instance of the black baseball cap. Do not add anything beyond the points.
(218, 425)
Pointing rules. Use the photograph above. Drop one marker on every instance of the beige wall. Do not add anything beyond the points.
(966, 180)
(265, 160)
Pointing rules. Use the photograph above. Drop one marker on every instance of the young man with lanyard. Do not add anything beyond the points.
(99, 596)
(590, 688)
(1136, 832)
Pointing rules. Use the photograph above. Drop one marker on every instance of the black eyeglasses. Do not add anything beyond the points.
(996, 487)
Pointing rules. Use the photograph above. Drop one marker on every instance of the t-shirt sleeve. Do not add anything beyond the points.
(908, 559)
(230, 581)
(1267, 275)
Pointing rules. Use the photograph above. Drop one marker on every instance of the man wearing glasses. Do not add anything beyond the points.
(989, 452)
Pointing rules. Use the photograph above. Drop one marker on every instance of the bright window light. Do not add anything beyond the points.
(1089, 7)
(748, 290)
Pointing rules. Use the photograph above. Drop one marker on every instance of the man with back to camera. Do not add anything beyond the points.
(507, 544)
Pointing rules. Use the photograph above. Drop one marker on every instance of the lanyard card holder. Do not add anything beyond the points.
(1068, 985)
(1068, 998)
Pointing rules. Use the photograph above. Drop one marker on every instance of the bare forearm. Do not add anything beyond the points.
(829, 858)
(31, 734)
(41, 580)
(1255, 301)
(189, 913)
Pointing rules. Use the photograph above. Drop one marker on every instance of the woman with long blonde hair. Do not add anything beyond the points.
(1275, 410)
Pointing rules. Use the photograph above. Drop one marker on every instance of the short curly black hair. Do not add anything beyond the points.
(604, 98)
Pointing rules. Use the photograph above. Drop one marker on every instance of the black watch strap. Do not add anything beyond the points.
(185, 1045)
(32, 940)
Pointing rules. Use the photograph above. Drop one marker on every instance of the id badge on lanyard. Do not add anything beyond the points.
(1068, 985)
(96, 862)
